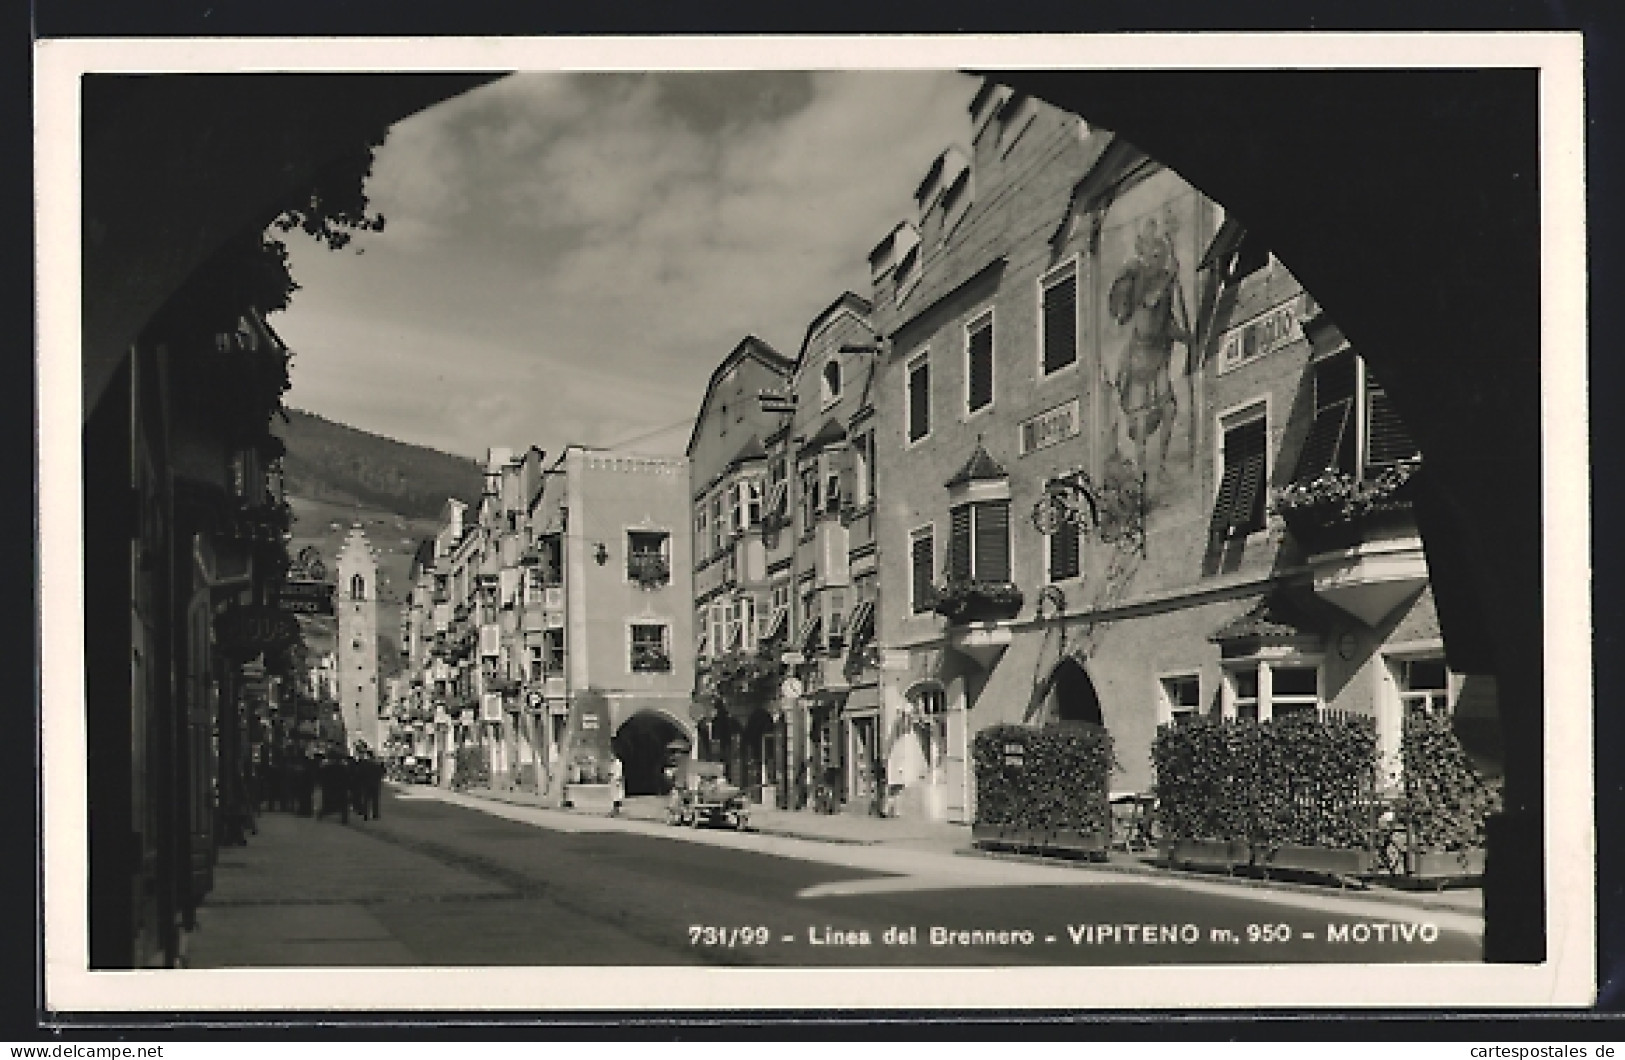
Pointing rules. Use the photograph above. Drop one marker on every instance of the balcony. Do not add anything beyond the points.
(1359, 539)
(978, 614)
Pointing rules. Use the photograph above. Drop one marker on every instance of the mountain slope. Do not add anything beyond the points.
(331, 462)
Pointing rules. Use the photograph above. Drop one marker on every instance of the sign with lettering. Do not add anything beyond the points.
(1050, 426)
(1265, 333)
(305, 597)
(245, 631)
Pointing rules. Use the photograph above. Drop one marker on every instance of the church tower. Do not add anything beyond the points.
(357, 608)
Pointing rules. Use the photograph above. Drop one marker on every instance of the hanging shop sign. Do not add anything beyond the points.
(246, 630)
(303, 597)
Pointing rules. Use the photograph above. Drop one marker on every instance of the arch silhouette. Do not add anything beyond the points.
(1075, 695)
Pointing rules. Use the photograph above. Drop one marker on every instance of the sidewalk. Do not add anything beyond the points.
(942, 837)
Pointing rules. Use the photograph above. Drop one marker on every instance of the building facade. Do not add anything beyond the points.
(1096, 390)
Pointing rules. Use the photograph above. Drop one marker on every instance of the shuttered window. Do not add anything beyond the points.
(991, 561)
(1060, 318)
(922, 557)
(919, 399)
(1065, 552)
(959, 543)
(1330, 443)
(1239, 508)
(979, 542)
(1387, 440)
(979, 364)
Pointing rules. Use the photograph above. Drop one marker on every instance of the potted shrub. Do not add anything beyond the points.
(650, 658)
(1043, 789)
(962, 601)
(1445, 801)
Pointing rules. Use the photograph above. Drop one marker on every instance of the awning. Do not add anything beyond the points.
(775, 625)
(809, 638)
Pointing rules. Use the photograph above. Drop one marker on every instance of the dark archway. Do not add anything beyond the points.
(644, 745)
(1075, 697)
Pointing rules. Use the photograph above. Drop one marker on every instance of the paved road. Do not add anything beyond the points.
(446, 880)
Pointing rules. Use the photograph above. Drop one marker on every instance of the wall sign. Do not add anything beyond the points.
(1265, 333)
(1049, 427)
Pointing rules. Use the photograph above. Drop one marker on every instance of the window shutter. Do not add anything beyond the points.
(993, 541)
(1063, 552)
(1330, 443)
(921, 555)
(980, 368)
(919, 401)
(959, 543)
(1240, 503)
(1387, 440)
(1061, 324)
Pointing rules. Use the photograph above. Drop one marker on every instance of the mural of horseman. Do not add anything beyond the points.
(1148, 300)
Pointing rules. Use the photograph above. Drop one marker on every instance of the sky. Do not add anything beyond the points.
(566, 257)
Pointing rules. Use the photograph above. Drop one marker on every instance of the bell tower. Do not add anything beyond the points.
(357, 610)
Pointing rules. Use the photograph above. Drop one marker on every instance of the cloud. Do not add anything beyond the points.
(568, 256)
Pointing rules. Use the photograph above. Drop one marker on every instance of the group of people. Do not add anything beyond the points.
(316, 783)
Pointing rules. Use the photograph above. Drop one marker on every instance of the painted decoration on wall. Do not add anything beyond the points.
(1147, 254)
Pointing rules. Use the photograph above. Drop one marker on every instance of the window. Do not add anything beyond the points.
(979, 542)
(1423, 683)
(863, 469)
(1065, 552)
(830, 382)
(719, 633)
(736, 509)
(1058, 319)
(1356, 429)
(979, 364)
(649, 650)
(922, 564)
(809, 497)
(358, 588)
(919, 398)
(716, 524)
(553, 649)
(832, 485)
(1272, 690)
(647, 560)
(753, 502)
(836, 638)
(701, 524)
(1181, 697)
(1239, 506)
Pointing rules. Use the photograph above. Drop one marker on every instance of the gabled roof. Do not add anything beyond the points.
(1275, 617)
(848, 302)
(751, 450)
(752, 348)
(830, 433)
(979, 468)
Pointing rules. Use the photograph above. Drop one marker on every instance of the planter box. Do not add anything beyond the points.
(1327, 860)
(1091, 844)
(1209, 853)
(1445, 864)
(589, 798)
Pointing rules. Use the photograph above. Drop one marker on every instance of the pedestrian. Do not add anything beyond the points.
(335, 788)
(304, 783)
(617, 784)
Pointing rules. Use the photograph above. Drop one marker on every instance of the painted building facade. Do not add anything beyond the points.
(1093, 391)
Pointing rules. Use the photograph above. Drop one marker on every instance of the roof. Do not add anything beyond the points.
(1276, 616)
(830, 433)
(857, 305)
(749, 347)
(980, 467)
(751, 450)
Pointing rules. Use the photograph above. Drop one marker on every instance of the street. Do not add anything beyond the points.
(449, 880)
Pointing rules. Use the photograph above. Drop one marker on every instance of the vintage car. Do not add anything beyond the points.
(703, 796)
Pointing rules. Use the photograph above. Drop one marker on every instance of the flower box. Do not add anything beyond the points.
(977, 601)
(1209, 853)
(649, 570)
(1336, 510)
(1445, 864)
(1328, 861)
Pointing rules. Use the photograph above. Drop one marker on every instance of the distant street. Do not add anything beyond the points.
(435, 882)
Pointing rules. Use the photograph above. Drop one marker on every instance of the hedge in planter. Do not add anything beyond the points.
(1446, 801)
(1044, 780)
(1298, 781)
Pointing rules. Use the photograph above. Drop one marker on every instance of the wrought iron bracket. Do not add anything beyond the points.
(1113, 510)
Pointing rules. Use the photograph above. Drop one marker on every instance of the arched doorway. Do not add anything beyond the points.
(647, 743)
(1074, 694)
